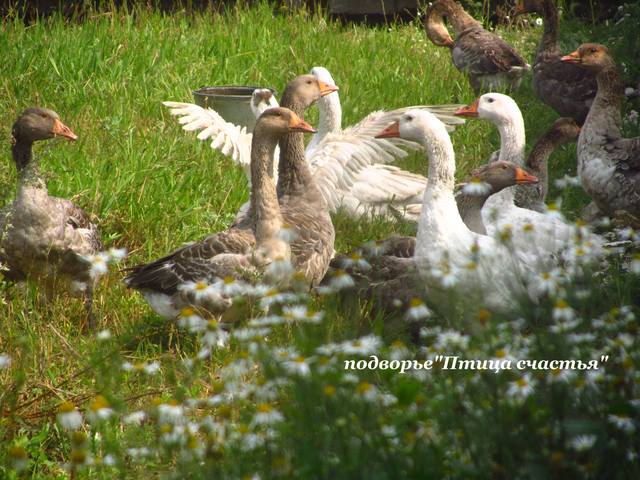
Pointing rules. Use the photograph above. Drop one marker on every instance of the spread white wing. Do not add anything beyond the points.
(229, 139)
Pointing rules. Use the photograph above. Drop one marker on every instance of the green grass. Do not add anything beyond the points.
(153, 187)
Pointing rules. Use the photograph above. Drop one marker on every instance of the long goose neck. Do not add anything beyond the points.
(442, 166)
(330, 120)
(549, 40)
(460, 19)
(294, 175)
(604, 115)
(265, 210)
(470, 208)
(28, 171)
(512, 140)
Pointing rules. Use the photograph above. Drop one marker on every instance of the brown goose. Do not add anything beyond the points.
(296, 186)
(489, 62)
(563, 130)
(45, 238)
(246, 247)
(566, 88)
(608, 165)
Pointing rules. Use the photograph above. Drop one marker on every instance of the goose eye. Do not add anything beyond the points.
(490, 100)
(504, 167)
(593, 50)
(409, 118)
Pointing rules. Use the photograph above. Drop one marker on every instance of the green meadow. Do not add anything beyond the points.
(239, 411)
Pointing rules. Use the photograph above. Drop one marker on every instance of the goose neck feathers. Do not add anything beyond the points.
(459, 19)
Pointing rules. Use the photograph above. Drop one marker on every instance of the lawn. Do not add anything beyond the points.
(159, 400)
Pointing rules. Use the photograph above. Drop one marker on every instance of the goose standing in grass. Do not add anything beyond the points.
(562, 131)
(566, 88)
(343, 162)
(176, 281)
(43, 238)
(447, 253)
(488, 61)
(528, 230)
(608, 164)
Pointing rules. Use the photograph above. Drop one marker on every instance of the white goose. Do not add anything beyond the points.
(530, 231)
(446, 250)
(341, 161)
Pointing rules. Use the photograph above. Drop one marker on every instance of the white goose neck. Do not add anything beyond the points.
(512, 139)
(330, 120)
(442, 165)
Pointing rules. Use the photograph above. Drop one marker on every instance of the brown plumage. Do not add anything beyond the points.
(234, 252)
(45, 238)
(608, 165)
(566, 88)
(563, 130)
(488, 61)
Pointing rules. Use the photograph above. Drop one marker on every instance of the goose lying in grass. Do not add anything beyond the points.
(195, 273)
(43, 238)
(471, 195)
(488, 61)
(566, 88)
(608, 164)
(562, 131)
(344, 162)
(528, 230)
(447, 253)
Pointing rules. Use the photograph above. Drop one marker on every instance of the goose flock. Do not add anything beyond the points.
(492, 234)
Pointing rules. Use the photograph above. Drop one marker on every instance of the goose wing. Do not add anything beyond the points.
(229, 139)
(81, 223)
(481, 52)
(625, 152)
(377, 121)
(216, 256)
(383, 184)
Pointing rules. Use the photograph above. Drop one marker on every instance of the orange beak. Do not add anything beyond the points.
(298, 125)
(524, 177)
(573, 57)
(469, 110)
(326, 89)
(448, 42)
(61, 129)
(392, 131)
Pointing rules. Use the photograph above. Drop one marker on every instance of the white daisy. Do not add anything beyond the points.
(521, 388)
(69, 417)
(582, 443)
(476, 187)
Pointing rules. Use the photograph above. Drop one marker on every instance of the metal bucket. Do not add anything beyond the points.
(233, 103)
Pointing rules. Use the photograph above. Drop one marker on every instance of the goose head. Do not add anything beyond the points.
(435, 28)
(495, 107)
(261, 99)
(416, 125)
(499, 175)
(593, 57)
(280, 121)
(36, 124)
(322, 74)
(304, 90)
